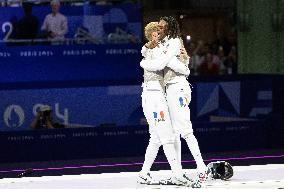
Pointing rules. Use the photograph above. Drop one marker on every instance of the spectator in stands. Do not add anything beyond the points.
(197, 56)
(222, 60)
(231, 61)
(28, 25)
(209, 66)
(55, 24)
(43, 119)
(14, 3)
(190, 47)
(103, 2)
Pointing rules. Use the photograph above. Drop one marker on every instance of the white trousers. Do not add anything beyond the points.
(155, 109)
(178, 98)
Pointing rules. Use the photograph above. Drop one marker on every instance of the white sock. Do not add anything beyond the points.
(170, 153)
(177, 145)
(194, 149)
(150, 156)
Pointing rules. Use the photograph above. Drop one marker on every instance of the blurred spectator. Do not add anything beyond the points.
(197, 56)
(13, 3)
(43, 119)
(225, 43)
(231, 62)
(103, 2)
(222, 60)
(28, 25)
(211, 59)
(210, 65)
(55, 24)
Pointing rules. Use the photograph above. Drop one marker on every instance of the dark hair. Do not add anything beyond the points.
(28, 7)
(173, 30)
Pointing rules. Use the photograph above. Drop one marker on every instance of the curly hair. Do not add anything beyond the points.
(149, 29)
(173, 30)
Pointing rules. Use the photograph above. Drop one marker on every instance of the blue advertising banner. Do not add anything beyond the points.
(232, 99)
(110, 142)
(70, 63)
(121, 105)
(80, 107)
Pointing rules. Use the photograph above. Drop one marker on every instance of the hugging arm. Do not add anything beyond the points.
(178, 66)
(160, 63)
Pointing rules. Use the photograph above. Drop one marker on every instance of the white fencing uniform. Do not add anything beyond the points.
(154, 103)
(178, 97)
(156, 112)
(155, 109)
(178, 93)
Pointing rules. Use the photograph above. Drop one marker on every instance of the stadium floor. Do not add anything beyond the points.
(254, 176)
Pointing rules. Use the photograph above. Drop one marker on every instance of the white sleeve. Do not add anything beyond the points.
(161, 62)
(178, 66)
(144, 51)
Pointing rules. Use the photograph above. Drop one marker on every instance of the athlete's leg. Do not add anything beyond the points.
(156, 112)
(151, 154)
(167, 136)
(178, 98)
(195, 151)
(177, 145)
(163, 128)
(154, 142)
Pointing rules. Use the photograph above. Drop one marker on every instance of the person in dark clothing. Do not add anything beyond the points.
(28, 25)
(209, 66)
(43, 119)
